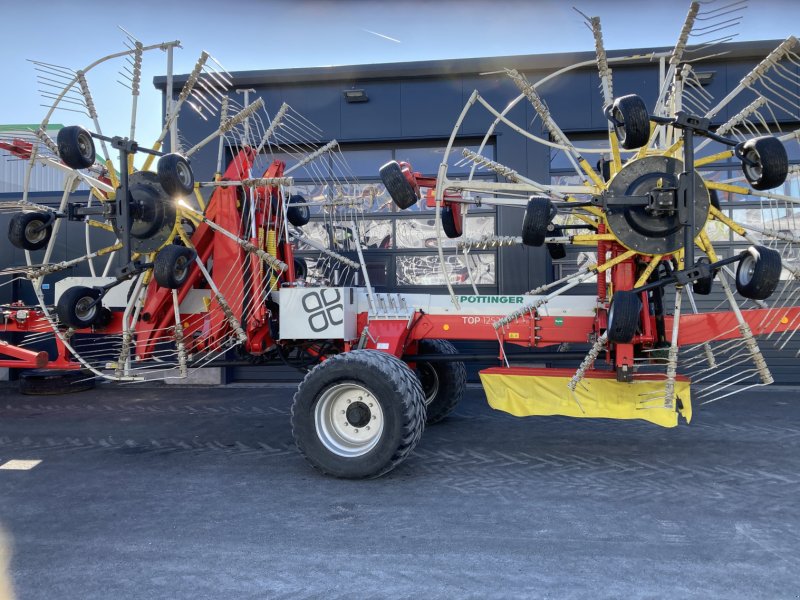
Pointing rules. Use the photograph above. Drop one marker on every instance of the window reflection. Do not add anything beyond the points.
(425, 269)
(421, 233)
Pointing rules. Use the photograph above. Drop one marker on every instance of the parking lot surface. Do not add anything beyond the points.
(168, 492)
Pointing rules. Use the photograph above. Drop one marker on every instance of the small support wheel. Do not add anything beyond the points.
(702, 287)
(557, 251)
(713, 197)
(758, 273)
(300, 268)
(79, 307)
(765, 163)
(175, 175)
(631, 122)
(443, 383)
(451, 223)
(538, 215)
(358, 414)
(623, 317)
(30, 231)
(172, 265)
(604, 168)
(399, 188)
(76, 147)
(298, 215)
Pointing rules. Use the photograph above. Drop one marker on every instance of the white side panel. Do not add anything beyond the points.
(398, 305)
(317, 313)
(117, 297)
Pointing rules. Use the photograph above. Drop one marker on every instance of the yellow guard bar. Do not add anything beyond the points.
(527, 392)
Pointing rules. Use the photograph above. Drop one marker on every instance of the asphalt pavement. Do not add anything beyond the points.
(156, 492)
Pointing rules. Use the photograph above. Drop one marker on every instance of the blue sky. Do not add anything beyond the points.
(252, 34)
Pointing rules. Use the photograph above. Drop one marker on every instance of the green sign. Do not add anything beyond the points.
(559, 321)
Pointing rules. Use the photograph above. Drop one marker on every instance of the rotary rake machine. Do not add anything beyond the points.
(176, 272)
(651, 216)
(192, 277)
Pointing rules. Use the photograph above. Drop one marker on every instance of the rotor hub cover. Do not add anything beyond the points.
(152, 213)
(642, 228)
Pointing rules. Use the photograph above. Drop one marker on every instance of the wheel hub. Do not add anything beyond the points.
(349, 420)
(85, 308)
(429, 380)
(153, 213)
(653, 229)
(34, 232)
(358, 414)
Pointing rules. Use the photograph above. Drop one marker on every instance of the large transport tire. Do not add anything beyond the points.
(175, 175)
(47, 382)
(27, 231)
(631, 121)
(758, 273)
(401, 191)
(358, 414)
(450, 224)
(75, 307)
(623, 317)
(172, 266)
(768, 162)
(538, 215)
(443, 383)
(75, 147)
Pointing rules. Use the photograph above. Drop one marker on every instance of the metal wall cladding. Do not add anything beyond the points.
(43, 179)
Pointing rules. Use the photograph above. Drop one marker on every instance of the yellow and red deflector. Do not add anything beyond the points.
(524, 392)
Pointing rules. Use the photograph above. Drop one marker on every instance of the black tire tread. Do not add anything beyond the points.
(168, 178)
(557, 251)
(297, 215)
(400, 190)
(449, 226)
(538, 215)
(67, 301)
(774, 162)
(627, 307)
(703, 286)
(401, 378)
(68, 151)
(635, 124)
(16, 230)
(44, 382)
(766, 277)
(163, 266)
(452, 380)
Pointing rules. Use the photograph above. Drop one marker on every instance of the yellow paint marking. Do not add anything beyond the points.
(707, 160)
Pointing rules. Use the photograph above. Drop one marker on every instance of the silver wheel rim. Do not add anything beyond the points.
(180, 269)
(747, 270)
(426, 369)
(33, 236)
(754, 171)
(84, 309)
(349, 420)
(85, 146)
(184, 176)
